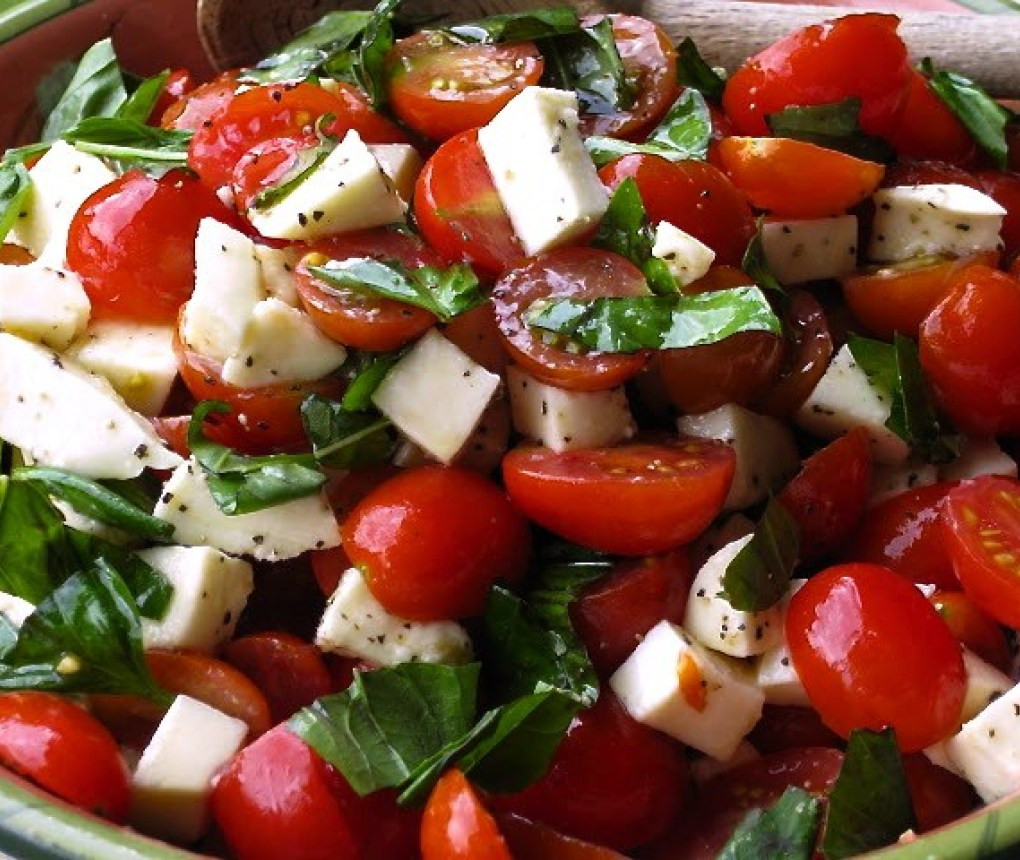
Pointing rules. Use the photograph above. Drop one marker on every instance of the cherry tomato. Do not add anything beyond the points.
(440, 87)
(939, 796)
(872, 652)
(132, 243)
(928, 129)
(981, 530)
(580, 273)
(612, 781)
(795, 179)
(178, 83)
(970, 354)
(821, 64)
(206, 101)
(692, 195)
(827, 497)
(14, 255)
(65, 750)
(458, 210)
(787, 727)
(456, 826)
(536, 841)
(974, 628)
(1004, 188)
(267, 164)
(477, 334)
(433, 540)
(328, 566)
(636, 499)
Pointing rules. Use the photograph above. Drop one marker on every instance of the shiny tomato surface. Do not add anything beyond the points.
(457, 826)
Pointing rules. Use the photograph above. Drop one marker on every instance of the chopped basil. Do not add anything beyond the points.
(756, 266)
(241, 484)
(787, 829)
(444, 292)
(834, 126)
(139, 104)
(633, 323)
(151, 590)
(376, 42)
(312, 49)
(15, 186)
(758, 577)
(870, 804)
(342, 439)
(34, 555)
(694, 72)
(524, 26)
(588, 62)
(96, 89)
(132, 142)
(365, 371)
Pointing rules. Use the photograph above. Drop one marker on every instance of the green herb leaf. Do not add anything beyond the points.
(306, 163)
(759, 575)
(756, 266)
(96, 89)
(518, 26)
(132, 142)
(342, 439)
(630, 324)
(15, 186)
(140, 103)
(365, 371)
(151, 590)
(834, 126)
(376, 42)
(312, 49)
(870, 804)
(788, 829)
(588, 62)
(694, 72)
(33, 549)
(241, 484)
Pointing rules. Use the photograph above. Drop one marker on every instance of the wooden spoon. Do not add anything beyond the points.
(982, 47)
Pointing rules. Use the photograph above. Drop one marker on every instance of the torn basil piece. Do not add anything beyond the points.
(759, 575)
(833, 126)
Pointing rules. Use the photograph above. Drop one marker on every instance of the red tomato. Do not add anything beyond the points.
(433, 540)
(1004, 188)
(456, 826)
(65, 750)
(974, 628)
(289, 671)
(477, 334)
(872, 652)
(267, 164)
(579, 273)
(440, 88)
(132, 243)
(794, 179)
(939, 796)
(970, 352)
(328, 566)
(981, 529)
(458, 210)
(636, 499)
(927, 128)
(201, 104)
(902, 533)
(178, 83)
(15, 255)
(612, 781)
(536, 841)
(692, 195)
(787, 727)
(827, 497)
(821, 64)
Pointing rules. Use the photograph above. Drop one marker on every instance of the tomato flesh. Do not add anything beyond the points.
(456, 826)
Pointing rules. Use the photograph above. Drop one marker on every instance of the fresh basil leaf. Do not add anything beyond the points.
(633, 323)
(342, 439)
(787, 829)
(834, 126)
(870, 804)
(132, 142)
(138, 106)
(756, 266)
(8, 636)
(758, 577)
(15, 186)
(588, 62)
(365, 371)
(241, 484)
(312, 49)
(982, 116)
(33, 549)
(96, 89)
(376, 42)
(694, 72)
(92, 499)
(518, 26)
(444, 292)
(152, 591)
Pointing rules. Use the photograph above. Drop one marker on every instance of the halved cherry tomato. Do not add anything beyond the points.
(939, 796)
(178, 83)
(974, 628)
(795, 179)
(579, 273)
(433, 540)
(267, 164)
(827, 497)
(202, 104)
(787, 727)
(440, 87)
(536, 841)
(477, 334)
(65, 750)
(456, 826)
(872, 653)
(635, 499)
(981, 527)
(928, 129)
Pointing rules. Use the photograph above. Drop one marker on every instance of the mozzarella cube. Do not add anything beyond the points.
(679, 687)
(348, 191)
(277, 266)
(271, 534)
(978, 457)
(891, 480)
(706, 768)
(766, 451)
(545, 178)
(985, 684)
(45, 305)
(355, 624)
(986, 751)
(937, 219)
(401, 163)
(173, 780)
(436, 395)
(810, 250)
(15, 609)
(686, 258)
(564, 420)
(775, 674)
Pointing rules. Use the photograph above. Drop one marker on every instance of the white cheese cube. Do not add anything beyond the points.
(986, 751)
(60, 415)
(173, 780)
(679, 687)
(137, 359)
(401, 163)
(844, 398)
(978, 457)
(563, 420)
(45, 305)
(544, 176)
(282, 531)
(985, 684)
(937, 219)
(280, 343)
(61, 181)
(891, 480)
(810, 250)
(765, 448)
(277, 268)
(686, 258)
(210, 592)
(355, 624)
(707, 768)
(15, 609)
(436, 395)
(348, 191)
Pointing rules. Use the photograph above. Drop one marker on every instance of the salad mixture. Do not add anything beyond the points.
(515, 438)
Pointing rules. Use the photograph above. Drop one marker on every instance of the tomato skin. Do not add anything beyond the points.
(872, 652)
(536, 841)
(928, 129)
(178, 84)
(635, 499)
(14, 255)
(432, 541)
(788, 727)
(265, 165)
(65, 750)
(201, 104)
(456, 826)
(1004, 188)
(939, 796)
(974, 628)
